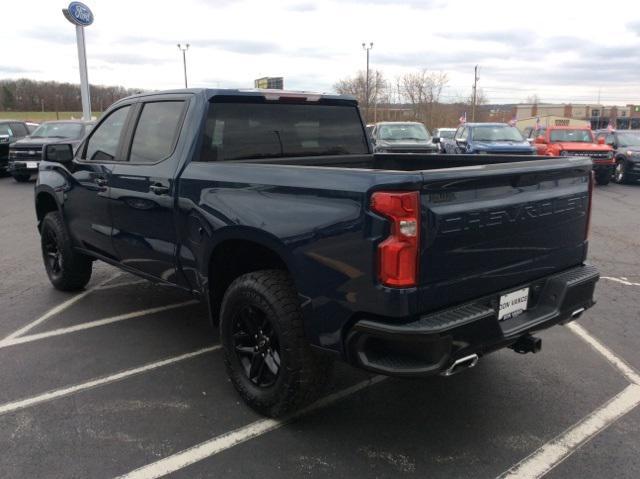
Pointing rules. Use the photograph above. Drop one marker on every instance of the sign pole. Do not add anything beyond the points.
(81, 16)
(84, 77)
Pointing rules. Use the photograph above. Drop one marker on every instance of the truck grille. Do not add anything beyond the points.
(590, 154)
(22, 153)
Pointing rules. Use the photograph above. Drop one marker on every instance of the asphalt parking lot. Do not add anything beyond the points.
(126, 379)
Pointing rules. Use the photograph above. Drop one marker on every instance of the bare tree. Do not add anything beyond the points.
(422, 90)
(533, 99)
(356, 86)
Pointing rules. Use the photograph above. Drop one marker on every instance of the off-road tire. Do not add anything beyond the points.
(603, 177)
(73, 270)
(302, 373)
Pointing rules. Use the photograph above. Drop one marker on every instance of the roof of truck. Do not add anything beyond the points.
(254, 92)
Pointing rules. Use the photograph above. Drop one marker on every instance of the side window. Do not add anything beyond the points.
(103, 143)
(458, 134)
(465, 134)
(157, 131)
(19, 130)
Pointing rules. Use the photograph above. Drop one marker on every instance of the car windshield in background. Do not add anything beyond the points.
(237, 131)
(408, 131)
(496, 133)
(72, 131)
(447, 134)
(629, 139)
(5, 130)
(576, 136)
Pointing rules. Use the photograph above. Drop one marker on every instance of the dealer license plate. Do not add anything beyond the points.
(32, 165)
(513, 304)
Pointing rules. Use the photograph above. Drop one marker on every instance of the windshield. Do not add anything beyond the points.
(447, 133)
(404, 131)
(73, 131)
(629, 139)
(5, 130)
(496, 133)
(575, 136)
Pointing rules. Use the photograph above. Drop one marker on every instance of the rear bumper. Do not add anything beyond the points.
(432, 343)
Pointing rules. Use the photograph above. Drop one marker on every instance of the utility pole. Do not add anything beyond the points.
(366, 87)
(183, 49)
(475, 93)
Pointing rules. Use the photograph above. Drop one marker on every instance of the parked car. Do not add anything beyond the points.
(402, 137)
(306, 247)
(25, 154)
(443, 134)
(488, 138)
(10, 131)
(626, 153)
(577, 141)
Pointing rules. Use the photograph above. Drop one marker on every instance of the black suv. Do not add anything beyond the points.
(402, 137)
(24, 155)
(626, 150)
(10, 130)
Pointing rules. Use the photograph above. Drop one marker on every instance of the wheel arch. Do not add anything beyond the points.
(238, 252)
(45, 203)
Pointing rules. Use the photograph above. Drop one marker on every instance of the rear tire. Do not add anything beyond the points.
(22, 178)
(603, 177)
(267, 356)
(67, 269)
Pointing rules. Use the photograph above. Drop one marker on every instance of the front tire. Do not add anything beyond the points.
(620, 174)
(267, 356)
(67, 269)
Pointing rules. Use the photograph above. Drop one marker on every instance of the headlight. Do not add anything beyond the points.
(633, 153)
(564, 153)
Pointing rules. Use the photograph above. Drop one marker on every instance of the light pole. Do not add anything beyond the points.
(183, 49)
(366, 87)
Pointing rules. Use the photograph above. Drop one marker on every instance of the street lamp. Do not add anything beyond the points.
(183, 49)
(366, 87)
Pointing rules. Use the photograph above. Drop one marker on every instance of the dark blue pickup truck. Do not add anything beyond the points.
(306, 247)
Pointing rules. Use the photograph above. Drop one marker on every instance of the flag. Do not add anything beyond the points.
(610, 126)
(463, 118)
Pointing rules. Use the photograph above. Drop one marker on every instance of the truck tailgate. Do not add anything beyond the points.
(490, 228)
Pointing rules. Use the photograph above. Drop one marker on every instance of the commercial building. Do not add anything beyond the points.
(598, 116)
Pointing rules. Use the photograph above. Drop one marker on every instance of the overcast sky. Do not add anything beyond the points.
(561, 50)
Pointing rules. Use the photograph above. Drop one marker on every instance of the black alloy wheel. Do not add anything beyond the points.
(51, 253)
(256, 346)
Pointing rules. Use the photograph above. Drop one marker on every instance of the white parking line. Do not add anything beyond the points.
(58, 309)
(58, 393)
(624, 281)
(626, 370)
(562, 446)
(226, 441)
(557, 450)
(92, 324)
(126, 283)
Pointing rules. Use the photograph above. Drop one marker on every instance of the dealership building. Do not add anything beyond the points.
(597, 116)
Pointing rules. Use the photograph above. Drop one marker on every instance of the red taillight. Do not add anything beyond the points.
(398, 254)
(590, 203)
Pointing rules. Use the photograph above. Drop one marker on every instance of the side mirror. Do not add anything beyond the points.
(601, 141)
(58, 153)
(435, 139)
(540, 140)
(461, 141)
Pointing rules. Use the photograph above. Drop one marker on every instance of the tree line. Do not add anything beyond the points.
(31, 95)
(415, 96)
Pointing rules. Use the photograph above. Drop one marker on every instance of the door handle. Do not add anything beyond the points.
(159, 189)
(100, 181)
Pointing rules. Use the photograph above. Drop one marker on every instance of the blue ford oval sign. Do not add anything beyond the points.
(79, 14)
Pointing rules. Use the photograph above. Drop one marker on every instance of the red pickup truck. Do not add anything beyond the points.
(577, 141)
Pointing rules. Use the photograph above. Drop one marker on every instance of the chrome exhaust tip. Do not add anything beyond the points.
(461, 364)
